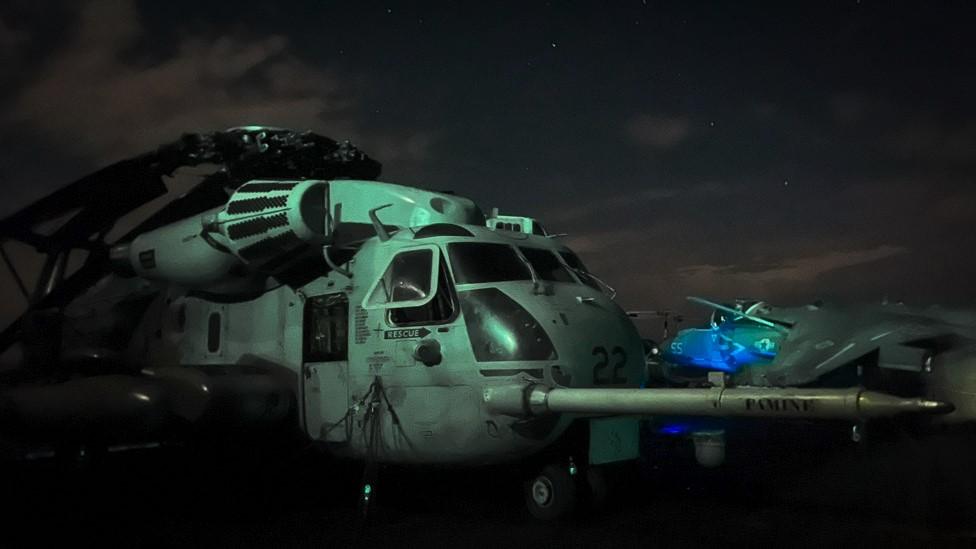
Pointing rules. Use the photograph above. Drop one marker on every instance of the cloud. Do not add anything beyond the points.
(628, 201)
(92, 101)
(11, 42)
(801, 270)
(931, 140)
(394, 149)
(9, 36)
(765, 110)
(654, 264)
(577, 210)
(904, 131)
(605, 243)
(851, 107)
(659, 132)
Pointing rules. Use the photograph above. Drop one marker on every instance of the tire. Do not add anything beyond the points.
(551, 494)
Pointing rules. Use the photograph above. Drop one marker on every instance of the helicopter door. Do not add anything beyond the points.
(326, 367)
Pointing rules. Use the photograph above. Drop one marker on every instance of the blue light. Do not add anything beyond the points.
(673, 429)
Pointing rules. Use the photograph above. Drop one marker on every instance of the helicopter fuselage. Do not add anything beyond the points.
(483, 307)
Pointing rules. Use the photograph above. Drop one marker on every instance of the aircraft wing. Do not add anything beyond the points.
(828, 339)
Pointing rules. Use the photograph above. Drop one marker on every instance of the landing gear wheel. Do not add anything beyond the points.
(551, 494)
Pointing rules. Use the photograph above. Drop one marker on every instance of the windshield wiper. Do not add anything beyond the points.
(604, 287)
(536, 281)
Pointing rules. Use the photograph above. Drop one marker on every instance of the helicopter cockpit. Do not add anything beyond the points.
(417, 281)
(502, 288)
(453, 308)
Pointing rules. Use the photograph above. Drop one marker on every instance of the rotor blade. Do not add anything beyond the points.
(103, 196)
(206, 195)
(731, 311)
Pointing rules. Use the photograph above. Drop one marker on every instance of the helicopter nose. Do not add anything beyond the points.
(597, 345)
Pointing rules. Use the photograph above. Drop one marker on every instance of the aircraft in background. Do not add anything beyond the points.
(911, 352)
(926, 352)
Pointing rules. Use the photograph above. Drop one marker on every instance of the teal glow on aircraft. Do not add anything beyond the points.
(384, 322)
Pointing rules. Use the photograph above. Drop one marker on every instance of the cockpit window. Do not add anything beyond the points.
(747, 307)
(477, 262)
(572, 260)
(437, 311)
(502, 330)
(546, 265)
(581, 271)
(407, 280)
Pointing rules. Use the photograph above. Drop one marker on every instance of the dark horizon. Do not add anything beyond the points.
(771, 151)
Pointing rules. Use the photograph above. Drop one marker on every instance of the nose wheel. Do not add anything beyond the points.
(551, 493)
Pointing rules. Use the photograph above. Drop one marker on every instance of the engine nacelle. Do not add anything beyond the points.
(233, 248)
(267, 224)
(178, 253)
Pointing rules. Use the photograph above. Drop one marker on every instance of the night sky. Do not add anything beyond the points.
(739, 150)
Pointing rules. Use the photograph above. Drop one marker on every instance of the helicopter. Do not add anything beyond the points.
(890, 347)
(291, 290)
